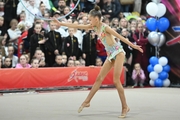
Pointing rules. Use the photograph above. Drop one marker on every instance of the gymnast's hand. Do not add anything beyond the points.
(55, 20)
(137, 47)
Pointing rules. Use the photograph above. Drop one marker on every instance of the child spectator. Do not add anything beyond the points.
(58, 61)
(7, 63)
(37, 40)
(138, 75)
(53, 44)
(64, 59)
(89, 47)
(23, 62)
(70, 63)
(34, 63)
(71, 44)
(14, 59)
(77, 63)
(99, 62)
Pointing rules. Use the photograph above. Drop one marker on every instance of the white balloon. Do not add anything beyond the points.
(156, 1)
(166, 83)
(161, 10)
(151, 82)
(163, 61)
(152, 9)
(153, 75)
(158, 68)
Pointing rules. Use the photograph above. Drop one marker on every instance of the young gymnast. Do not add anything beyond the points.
(115, 53)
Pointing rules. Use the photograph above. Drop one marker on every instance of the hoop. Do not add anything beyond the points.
(50, 19)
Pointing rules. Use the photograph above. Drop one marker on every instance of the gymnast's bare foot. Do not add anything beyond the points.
(124, 112)
(82, 106)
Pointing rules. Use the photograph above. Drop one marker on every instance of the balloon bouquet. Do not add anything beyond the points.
(159, 69)
(157, 24)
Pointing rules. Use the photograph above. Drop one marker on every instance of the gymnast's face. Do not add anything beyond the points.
(93, 20)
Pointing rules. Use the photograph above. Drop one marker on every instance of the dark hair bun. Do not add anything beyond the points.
(97, 8)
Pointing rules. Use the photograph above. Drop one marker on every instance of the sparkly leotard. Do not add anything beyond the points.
(112, 50)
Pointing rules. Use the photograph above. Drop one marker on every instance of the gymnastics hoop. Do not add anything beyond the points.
(50, 19)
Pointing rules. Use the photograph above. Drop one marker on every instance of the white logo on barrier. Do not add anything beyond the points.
(78, 75)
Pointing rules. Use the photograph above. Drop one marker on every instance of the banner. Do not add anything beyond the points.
(171, 48)
(53, 77)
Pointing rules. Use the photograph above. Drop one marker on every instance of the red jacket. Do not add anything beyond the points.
(20, 42)
(100, 48)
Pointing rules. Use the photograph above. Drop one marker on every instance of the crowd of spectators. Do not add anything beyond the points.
(28, 39)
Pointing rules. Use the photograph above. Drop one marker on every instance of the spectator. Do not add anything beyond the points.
(13, 58)
(37, 41)
(7, 63)
(138, 75)
(140, 37)
(89, 47)
(58, 61)
(71, 44)
(1, 8)
(101, 52)
(34, 63)
(24, 21)
(53, 44)
(13, 34)
(3, 29)
(70, 63)
(77, 63)
(99, 62)
(64, 59)
(34, 10)
(23, 62)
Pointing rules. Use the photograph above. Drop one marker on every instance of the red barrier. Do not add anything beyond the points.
(52, 77)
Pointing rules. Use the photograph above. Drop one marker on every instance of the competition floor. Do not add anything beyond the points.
(145, 104)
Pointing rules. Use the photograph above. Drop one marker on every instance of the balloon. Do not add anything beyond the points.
(161, 10)
(166, 83)
(150, 68)
(158, 83)
(151, 82)
(153, 38)
(163, 75)
(153, 60)
(158, 68)
(166, 68)
(153, 75)
(162, 39)
(151, 24)
(163, 61)
(152, 9)
(163, 24)
(156, 1)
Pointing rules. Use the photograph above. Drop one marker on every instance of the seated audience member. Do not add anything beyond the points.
(7, 63)
(64, 59)
(70, 63)
(77, 63)
(138, 75)
(58, 61)
(82, 63)
(99, 62)
(23, 62)
(34, 63)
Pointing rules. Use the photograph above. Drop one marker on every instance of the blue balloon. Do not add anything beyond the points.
(163, 24)
(166, 68)
(153, 60)
(150, 68)
(158, 83)
(151, 24)
(163, 75)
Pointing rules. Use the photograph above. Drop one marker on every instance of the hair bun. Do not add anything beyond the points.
(97, 8)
